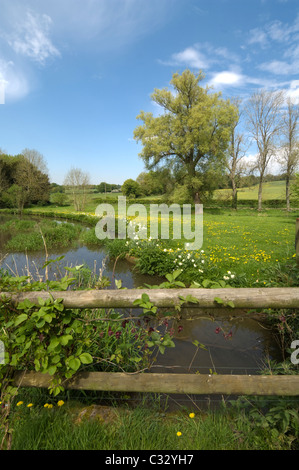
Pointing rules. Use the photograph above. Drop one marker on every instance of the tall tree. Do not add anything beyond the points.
(22, 182)
(289, 153)
(235, 155)
(192, 130)
(33, 185)
(77, 181)
(264, 121)
(36, 159)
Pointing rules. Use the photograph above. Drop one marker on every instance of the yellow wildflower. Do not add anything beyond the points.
(19, 403)
(60, 403)
(178, 433)
(191, 415)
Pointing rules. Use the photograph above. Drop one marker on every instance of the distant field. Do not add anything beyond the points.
(272, 190)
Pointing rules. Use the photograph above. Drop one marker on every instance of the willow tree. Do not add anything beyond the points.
(192, 131)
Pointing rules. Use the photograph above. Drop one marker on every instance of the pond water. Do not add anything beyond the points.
(233, 345)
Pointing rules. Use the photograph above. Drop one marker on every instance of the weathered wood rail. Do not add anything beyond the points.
(274, 297)
(203, 384)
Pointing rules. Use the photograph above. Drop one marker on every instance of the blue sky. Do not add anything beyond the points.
(76, 74)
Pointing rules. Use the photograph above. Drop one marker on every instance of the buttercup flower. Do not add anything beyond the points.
(48, 405)
(178, 433)
(191, 415)
(60, 403)
(19, 403)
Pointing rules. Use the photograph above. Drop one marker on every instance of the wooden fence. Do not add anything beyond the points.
(200, 384)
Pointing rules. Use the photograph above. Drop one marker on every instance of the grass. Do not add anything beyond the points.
(71, 426)
(27, 235)
(245, 242)
(271, 190)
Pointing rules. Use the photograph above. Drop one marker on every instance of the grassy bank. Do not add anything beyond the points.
(60, 425)
(31, 235)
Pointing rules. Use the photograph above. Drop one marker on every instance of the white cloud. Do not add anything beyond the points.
(15, 83)
(191, 57)
(227, 78)
(31, 38)
(293, 91)
(258, 36)
(274, 31)
(201, 56)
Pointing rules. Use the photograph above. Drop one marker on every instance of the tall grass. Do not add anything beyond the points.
(28, 235)
(140, 428)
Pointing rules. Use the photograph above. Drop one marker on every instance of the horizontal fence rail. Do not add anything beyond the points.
(203, 384)
(268, 297)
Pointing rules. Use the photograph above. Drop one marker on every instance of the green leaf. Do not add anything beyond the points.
(145, 298)
(85, 358)
(65, 339)
(48, 318)
(20, 319)
(55, 359)
(25, 305)
(176, 273)
(74, 363)
(51, 370)
(118, 283)
(20, 339)
(53, 343)
(41, 323)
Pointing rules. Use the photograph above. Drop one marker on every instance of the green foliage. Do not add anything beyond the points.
(281, 419)
(31, 236)
(192, 132)
(131, 188)
(23, 180)
(59, 198)
(153, 260)
(51, 339)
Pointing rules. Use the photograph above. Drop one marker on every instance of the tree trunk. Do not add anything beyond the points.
(234, 195)
(260, 194)
(288, 192)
